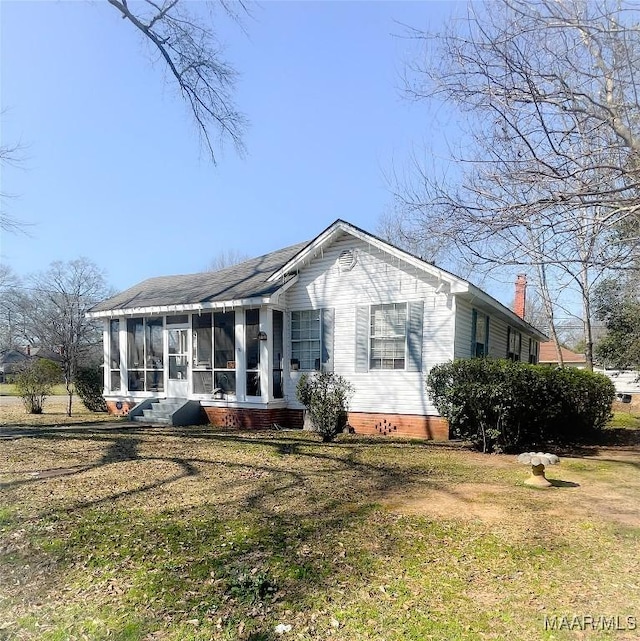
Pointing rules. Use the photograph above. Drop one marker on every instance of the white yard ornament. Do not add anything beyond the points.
(538, 461)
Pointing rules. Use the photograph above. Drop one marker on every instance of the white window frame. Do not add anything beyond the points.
(391, 335)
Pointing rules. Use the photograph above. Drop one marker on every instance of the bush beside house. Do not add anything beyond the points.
(325, 396)
(88, 385)
(503, 406)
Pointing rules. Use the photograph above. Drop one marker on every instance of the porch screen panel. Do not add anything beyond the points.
(135, 354)
(278, 353)
(114, 355)
(252, 349)
(145, 355)
(202, 354)
(224, 349)
(154, 355)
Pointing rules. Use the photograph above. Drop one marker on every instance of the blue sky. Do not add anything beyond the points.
(114, 170)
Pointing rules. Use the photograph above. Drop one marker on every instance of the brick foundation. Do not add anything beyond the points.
(236, 418)
(433, 428)
(123, 410)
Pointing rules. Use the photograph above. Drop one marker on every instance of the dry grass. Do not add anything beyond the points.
(12, 412)
(177, 534)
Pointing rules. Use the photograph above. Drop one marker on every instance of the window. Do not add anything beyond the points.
(533, 351)
(114, 355)
(388, 335)
(305, 339)
(145, 354)
(252, 350)
(514, 344)
(479, 334)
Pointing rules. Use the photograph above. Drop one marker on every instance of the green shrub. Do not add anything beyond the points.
(505, 406)
(326, 397)
(35, 381)
(88, 384)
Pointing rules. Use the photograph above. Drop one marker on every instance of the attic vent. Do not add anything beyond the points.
(347, 260)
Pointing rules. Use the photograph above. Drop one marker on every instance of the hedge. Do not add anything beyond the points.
(501, 406)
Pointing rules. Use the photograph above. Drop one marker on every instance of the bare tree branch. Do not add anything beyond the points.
(552, 169)
(193, 57)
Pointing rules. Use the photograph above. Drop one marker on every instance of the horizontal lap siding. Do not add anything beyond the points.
(376, 278)
(497, 333)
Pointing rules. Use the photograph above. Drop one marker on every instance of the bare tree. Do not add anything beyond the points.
(10, 155)
(547, 94)
(9, 306)
(58, 301)
(226, 258)
(193, 57)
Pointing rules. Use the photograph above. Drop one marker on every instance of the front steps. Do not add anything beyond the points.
(168, 411)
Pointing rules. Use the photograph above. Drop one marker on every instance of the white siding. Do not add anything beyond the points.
(376, 278)
(498, 327)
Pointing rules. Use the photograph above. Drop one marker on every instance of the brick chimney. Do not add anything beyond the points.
(520, 301)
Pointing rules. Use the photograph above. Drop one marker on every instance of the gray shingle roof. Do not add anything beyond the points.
(245, 280)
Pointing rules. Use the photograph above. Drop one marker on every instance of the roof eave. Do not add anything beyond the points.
(513, 318)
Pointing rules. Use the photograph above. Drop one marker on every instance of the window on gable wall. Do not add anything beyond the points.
(479, 334)
(312, 339)
(388, 334)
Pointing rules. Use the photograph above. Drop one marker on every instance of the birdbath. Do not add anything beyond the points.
(538, 461)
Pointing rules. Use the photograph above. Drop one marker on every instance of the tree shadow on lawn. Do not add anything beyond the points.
(285, 531)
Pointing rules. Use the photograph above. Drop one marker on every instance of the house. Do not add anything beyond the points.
(12, 360)
(235, 342)
(549, 356)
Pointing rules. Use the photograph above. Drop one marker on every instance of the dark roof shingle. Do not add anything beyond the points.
(245, 280)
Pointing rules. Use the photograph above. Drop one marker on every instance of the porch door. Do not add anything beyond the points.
(178, 383)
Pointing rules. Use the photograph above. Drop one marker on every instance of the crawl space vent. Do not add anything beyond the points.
(347, 260)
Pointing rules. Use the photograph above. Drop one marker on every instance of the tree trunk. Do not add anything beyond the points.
(548, 309)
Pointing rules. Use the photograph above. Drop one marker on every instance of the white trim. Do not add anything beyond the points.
(178, 309)
(457, 285)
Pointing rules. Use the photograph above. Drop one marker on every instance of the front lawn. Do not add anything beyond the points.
(180, 534)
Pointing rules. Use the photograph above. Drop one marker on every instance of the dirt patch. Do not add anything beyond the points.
(464, 501)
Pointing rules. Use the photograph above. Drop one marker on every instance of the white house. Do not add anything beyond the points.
(235, 342)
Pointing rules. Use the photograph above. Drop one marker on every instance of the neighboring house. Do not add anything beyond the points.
(11, 360)
(236, 341)
(549, 356)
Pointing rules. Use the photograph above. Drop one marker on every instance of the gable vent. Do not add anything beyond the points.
(347, 260)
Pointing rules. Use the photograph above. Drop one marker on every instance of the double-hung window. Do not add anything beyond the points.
(479, 334)
(312, 339)
(305, 339)
(388, 336)
(514, 344)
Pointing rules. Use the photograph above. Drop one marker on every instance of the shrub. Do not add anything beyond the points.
(88, 384)
(505, 406)
(326, 397)
(35, 382)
